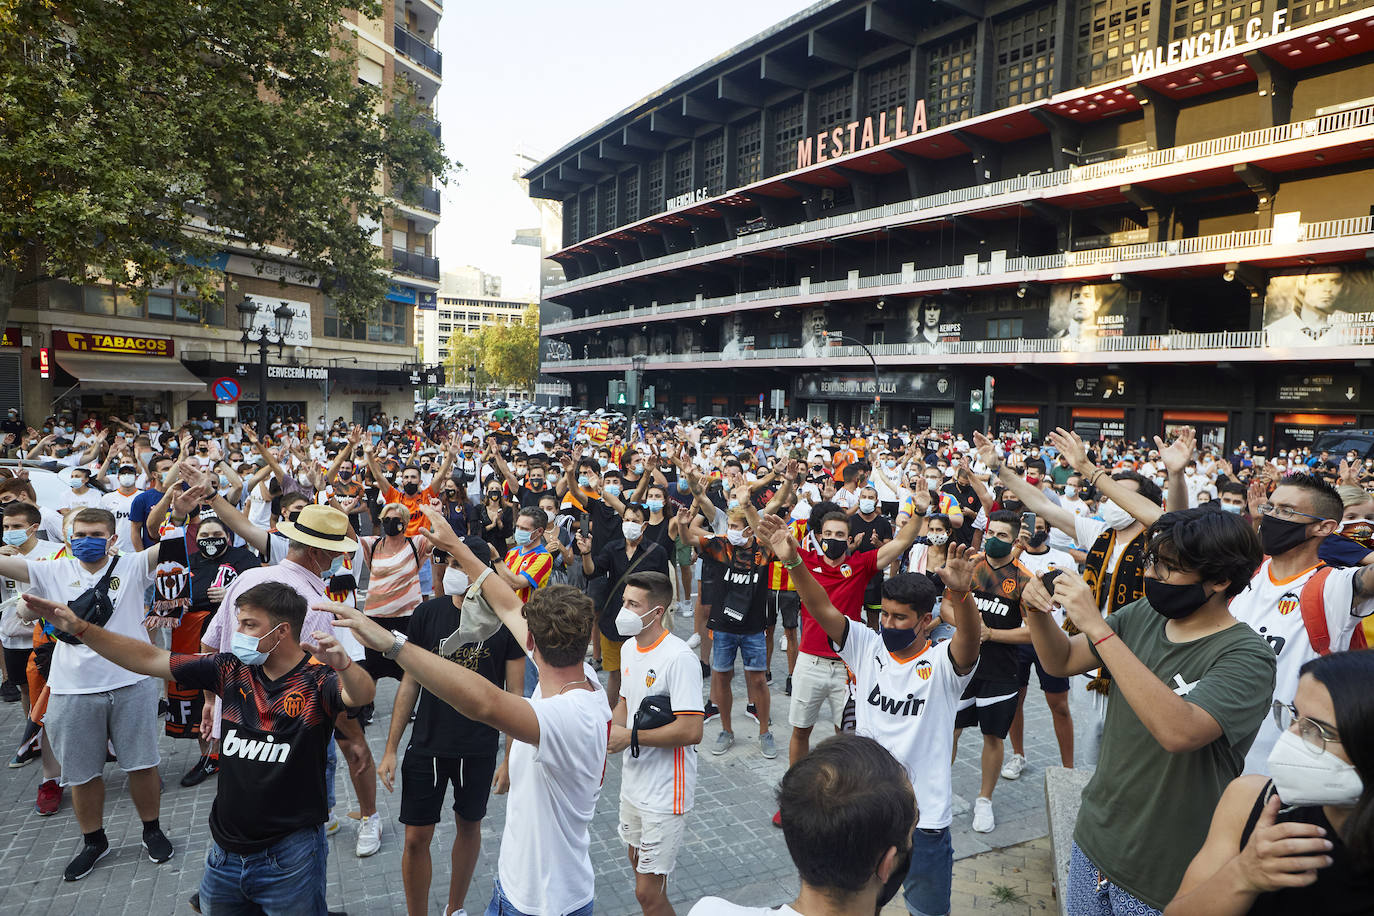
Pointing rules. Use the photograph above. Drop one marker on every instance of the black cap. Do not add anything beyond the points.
(480, 549)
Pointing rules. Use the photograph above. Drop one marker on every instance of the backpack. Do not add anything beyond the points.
(1314, 615)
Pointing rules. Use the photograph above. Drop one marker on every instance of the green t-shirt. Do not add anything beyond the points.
(1146, 811)
(1060, 474)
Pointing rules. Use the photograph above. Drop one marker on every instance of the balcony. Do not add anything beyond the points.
(429, 126)
(426, 199)
(1255, 244)
(415, 264)
(418, 50)
(1257, 146)
(1237, 346)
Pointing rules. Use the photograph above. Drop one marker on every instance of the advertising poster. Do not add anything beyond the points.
(1322, 306)
(1082, 311)
(932, 322)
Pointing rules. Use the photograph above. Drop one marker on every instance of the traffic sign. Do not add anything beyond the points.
(226, 390)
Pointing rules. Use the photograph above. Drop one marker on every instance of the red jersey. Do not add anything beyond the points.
(845, 585)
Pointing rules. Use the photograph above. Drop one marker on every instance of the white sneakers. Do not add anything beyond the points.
(694, 640)
(331, 826)
(370, 836)
(982, 815)
(1014, 767)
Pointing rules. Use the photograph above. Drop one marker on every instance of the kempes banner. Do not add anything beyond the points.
(172, 583)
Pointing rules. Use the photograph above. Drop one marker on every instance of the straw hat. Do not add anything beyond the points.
(319, 526)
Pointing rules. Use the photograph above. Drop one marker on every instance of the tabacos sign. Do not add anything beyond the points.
(125, 344)
(1205, 43)
(874, 130)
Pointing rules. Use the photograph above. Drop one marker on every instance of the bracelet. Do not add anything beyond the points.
(83, 630)
(956, 595)
(344, 668)
(1097, 472)
(1098, 642)
(793, 565)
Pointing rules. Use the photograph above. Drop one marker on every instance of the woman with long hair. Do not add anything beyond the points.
(1301, 841)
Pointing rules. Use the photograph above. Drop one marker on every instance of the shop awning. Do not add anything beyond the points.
(97, 372)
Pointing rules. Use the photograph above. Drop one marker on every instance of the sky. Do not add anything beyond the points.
(532, 76)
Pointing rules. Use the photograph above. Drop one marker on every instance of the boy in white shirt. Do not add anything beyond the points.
(658, 780)
(906, 692)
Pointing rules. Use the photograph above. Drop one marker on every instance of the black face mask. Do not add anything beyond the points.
(834, 548)
(1174, 601)
(345, 475)
(410, 488)
(392, 526)
(292, 516)
(212, 546)
(1278, 536)
(894, 881)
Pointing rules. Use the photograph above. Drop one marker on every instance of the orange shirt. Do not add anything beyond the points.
(417, 522)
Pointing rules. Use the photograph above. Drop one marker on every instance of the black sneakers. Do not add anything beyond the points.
(158, 846)
(9, 692)
(752, 712)
(710, 711)
(85, 860)
(204, 767)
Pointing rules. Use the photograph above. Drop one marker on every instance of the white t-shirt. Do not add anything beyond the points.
(76, 669)
(716, 906)
(74, 500)
(545, 862)
(908, 707)
(661, 780)
(846, 499)
(10, 588)
(1076, 506)
(1272, 609)
(1037, 564)
(116, 502)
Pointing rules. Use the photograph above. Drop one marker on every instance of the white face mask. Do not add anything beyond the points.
(127, 480)
(1304, 775)
(628, 623)
(1116, 517)
(631, 530)
(738, 538)
(455, 582)
(938, 538)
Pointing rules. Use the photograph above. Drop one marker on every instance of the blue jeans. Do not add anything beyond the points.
(1090, 893)
(284, 880)
(531, 676)
(426, 578)
(500, 906)
(753, 651)
(930, 878)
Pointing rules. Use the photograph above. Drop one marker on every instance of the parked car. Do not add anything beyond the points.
(1340, 441)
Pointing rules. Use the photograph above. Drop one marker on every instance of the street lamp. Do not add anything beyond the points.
(637, 363)
(263, 336)
(877, 382)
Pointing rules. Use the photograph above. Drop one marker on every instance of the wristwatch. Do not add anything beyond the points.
(395, 650)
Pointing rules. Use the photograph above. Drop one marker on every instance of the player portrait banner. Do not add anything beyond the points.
(933, 320)
(1087, 311)
(1323, 306)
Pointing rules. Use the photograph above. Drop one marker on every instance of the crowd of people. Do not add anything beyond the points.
(575, 589)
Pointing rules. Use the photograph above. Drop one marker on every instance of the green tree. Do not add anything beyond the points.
(511, 352)
(123, 124)
(464, 350)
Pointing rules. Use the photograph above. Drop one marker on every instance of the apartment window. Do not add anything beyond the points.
(787, 130)
(629, 193)
(713, 163)
(1109, 32)
(682, 169)
(1305, 11)
(887, 88)
(169, 303)
(749, 151)
(1024, 57)
(445, 328)
(1003, 328)
(949, 93)
(387, 324)
(833, 105)
(1209, 15)
(606, 205)
(656, 195)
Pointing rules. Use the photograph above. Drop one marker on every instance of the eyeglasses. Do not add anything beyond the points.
(1286, 514)
(1314, 733)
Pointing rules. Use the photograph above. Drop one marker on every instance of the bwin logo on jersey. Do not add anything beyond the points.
(267, 751)
(909, 705)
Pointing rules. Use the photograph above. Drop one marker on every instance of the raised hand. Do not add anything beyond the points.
(1178, 453)
(1280, 855)
(957, 573)
(328, 650)
(440, 533)
(1076, 598)
(1071, 446)
(777, 534)
(987, 452)
(370, 633)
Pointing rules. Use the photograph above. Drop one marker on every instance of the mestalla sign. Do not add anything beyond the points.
(874, 130)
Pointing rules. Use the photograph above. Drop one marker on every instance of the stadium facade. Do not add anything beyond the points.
(918, 198)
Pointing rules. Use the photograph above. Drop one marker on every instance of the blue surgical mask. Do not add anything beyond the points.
(522, 537)
(889, 463)
(683, 486)
(655, 505)
(76, 483)
(334, 568)
(16, 538)
(245, 647)
(89, 549)
(584, 481)
(612, 489)
(1232, 508)
(639, 469)
(733, 504)
(604, 462)
(867, 505)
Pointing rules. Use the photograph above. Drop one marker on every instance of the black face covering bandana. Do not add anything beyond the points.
(1278, 536)
(894, 881)
(834, 548)
(411, 488)
(1174, 601)
(393, 526)
(212, 546)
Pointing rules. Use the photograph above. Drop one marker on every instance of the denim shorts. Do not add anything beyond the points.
(930, 878)
(753, 649)
(500, 906)
(286, 879)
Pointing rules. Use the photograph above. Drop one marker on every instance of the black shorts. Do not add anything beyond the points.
(1025, 658)
(784, 604)
(424, 782)
(711, 590)
(993, 717)
(373, 663)
(16, 667)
